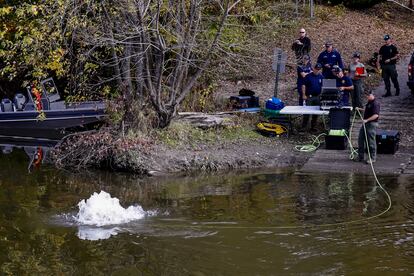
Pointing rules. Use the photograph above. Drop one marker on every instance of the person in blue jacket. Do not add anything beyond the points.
(329, 58)
(303, 69)
(311, 90)
(343, 83)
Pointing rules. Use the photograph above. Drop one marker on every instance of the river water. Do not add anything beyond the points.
(244, 223)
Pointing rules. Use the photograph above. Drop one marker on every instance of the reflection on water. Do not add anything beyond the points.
(37, 150)
(96, 233)
(248, 224)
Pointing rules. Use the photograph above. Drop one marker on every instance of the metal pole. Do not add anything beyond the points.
(279, 59)
(297, 8)
(311, 8)
(411, 4)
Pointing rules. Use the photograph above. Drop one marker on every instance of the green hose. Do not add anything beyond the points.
(316, 143)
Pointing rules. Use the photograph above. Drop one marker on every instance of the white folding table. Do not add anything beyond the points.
(303, 110)
(297, 110)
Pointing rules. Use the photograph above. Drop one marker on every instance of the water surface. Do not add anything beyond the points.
(246, 223)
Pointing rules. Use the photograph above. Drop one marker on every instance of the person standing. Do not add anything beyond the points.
(370, 125)
(387, 59)
(343, 83)
(303, 70)
(329, 58)
(301, 46)
(357, 73)
(311, 89)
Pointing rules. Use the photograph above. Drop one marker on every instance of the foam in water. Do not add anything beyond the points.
(102, 209)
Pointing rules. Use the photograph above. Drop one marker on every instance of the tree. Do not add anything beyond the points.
(30, 45)
(153, 51)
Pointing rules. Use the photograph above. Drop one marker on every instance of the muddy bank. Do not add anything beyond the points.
(191, 150)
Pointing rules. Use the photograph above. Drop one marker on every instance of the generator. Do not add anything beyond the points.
(339, 124)
(387, 141)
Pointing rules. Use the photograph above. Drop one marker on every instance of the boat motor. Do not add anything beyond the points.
(19, 101)
(6, 105)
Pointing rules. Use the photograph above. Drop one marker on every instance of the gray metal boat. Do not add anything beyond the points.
(42, 113)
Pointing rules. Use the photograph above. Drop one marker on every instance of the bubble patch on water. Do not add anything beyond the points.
(101, 209)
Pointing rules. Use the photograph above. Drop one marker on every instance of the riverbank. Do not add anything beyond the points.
(228, 141)
(182, 148)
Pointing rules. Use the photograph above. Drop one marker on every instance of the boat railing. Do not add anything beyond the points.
(43, 97)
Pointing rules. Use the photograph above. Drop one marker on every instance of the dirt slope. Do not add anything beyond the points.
(350, 31)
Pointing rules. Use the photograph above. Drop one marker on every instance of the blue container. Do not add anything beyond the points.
(274, 104)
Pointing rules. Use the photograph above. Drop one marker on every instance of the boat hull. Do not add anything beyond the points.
(54, 124)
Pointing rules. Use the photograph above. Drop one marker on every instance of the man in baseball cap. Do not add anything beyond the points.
(311, 89)
(343, 83)
(318, 66)
(387, 59)
(329, 58)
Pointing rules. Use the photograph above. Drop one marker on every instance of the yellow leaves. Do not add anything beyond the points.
(27, 40)
(56, 62)
(89, 67)
(26, 10)
(170, 38)
(41, 116)
(34, 10)
(6, 11)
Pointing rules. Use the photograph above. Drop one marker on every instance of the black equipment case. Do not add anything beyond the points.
(240, 102)
(330, 98)
(339, 118)
(387, 141)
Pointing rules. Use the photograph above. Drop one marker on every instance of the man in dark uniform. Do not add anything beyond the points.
(387, 58)
(328, 59)
(311, 89)
(343, 83)
(301, 46)
(371, 115)
(303, 69)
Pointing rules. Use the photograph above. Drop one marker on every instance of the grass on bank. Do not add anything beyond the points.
(183, 134)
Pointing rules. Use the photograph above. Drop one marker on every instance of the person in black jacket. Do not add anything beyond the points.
(301, 46)
(387, 58)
